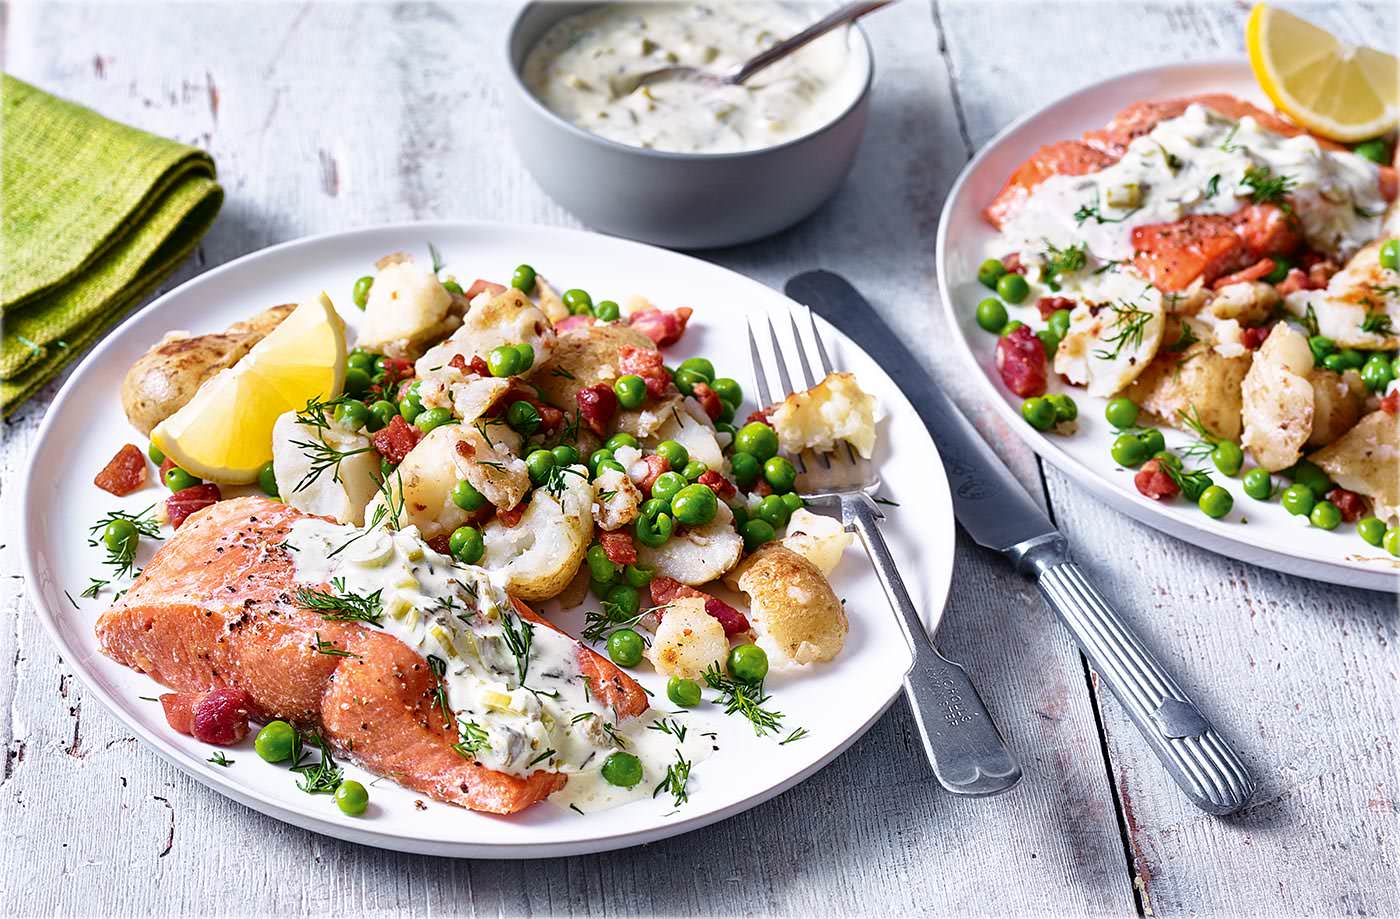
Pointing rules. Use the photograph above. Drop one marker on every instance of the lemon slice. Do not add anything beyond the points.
(224, 434)
(1332, 88)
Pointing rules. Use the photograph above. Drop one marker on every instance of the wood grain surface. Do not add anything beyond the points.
(323, 117)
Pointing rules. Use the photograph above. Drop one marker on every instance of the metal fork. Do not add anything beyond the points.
(963, 745)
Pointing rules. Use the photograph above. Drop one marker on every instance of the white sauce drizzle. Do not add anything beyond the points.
(583, 66)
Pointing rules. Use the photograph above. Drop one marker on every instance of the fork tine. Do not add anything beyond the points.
(821, 347)
(778, 356)
(802, 462)
(763, 393)
(808, 381)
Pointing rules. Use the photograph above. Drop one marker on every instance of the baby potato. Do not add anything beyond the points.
(1278, 401)
(617, 499)
(341, 493)
(582, 358)
(688, 640)
(507, 318)
(1339, 400)
(795, 613)
(820, 540)
(700, 555)
(407, 308)
(538, 557)
(1366, 460)
(691, 428)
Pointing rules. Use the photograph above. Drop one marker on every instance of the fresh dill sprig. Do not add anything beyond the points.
(319, 778)
(329, 649)
(562, 373)
(1129, 324)
(122, 558)
(1063, 261)
(794, 736)
(1187, 338)
(1227, 144)
(1267, 188)
(543, 756)
(439, 668)
(323, 456)
(669, 726)
(95, 586)
(677, 775)
(611, 730)
(743, 698)
(582, 716)
(473, 740)
(518, 634)
(555, 483)
(218, 759)
(1192, 484)
(598, 624)
(342, 606)
(438, 263)
(1309, 320)
(314, 412)
(1213, 186)
(1092, 212)
(1377, 323)
(1206, 440)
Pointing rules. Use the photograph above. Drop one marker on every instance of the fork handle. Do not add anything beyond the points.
(963, 745)
(1203, 764)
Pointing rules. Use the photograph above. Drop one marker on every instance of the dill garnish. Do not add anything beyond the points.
(319, 778)
(611, 731)
(438, 263)
(342, 606)
(1187, 339)
(1206, 440)
(743, 698)
(554, 483)
(218, 759)
(95, 585)
(518, 634)
(669, 726)
(1267, 188)
(314, 412)
(1092, 212)
(1192, 484)
(1213, 186)
(543, 756)
(794, 736)
(123, 557)
(329, 649)
(323, 456)
(1377, 323)
(1226, 145)
(1309, 320)
(1063, 261)
(677, 775)
(562, 373)
(583, 716)
(473, 739)
(439, 668)
(1129, 323)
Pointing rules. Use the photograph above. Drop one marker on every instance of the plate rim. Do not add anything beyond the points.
(367, 835)
(1203, 534)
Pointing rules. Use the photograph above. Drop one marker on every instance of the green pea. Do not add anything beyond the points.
(381, 413)
(410, 407)
(728, 389)
(694, 505)
(412, 388)
(118, 534)
(1152, 441)
(1395, 368)
(502, 360)
(1279, 271)
(1391, 541)
(1375, 150)
(600, 568)
(1049, 340)
(780, 473)
(698, 365)
(638, 576)
(523, 278)
(466, 545)
(607, 311)
(740, 510)
(597, 457)
(578, 301)
(360, 292)
(1167, 458)
(746, 469)
(267, 480)
(352, 414)
(356, 382)
(1390, 254)
(726, 412)
(1065, 407)
(686, 381)
(654, 506)
(683, 692)
(156, 454)
(668, 485)
(1013, 288)
(655, 530)
(1352, 359)
(1321, 346)
(525, 357)
(275, 741)
(756, 532)
(1258, 484)
(452, 287)
(1215, 502)
(565, 455)
(539, 464)
(352, 798)
(631, 391)
(1307, 473)
(1325, 515)
(990, 272)
(694, 470)
(773, 511)
(991, 315)
(725, 428)
(386, 469)
(621, 439)
(622, 769)
(793, 502)
(177, 479)
(1059, 323)
(758, 440)
(1121, 412)
(748, 663)
(600, 590)
(434, 418)
(1371, 530)
(625, 599)
(523, 417)
(465, 496)
(625, 648)
(1010, 327)
(1377, 372)
(1129, 451)
(1039, 413)
(610, 464)
(1227, 457)
(674, 453)
(360, 360)
(1298, 499)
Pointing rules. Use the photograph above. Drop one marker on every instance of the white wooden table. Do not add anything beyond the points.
(328, 116)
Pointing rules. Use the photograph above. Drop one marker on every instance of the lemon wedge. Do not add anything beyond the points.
(1332, 88)
(224, 434)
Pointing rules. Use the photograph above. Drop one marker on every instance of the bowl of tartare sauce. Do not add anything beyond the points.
(682, 163)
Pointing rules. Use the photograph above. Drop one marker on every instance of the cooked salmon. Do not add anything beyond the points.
(215, 608)
(1209, 246)
(1065, 157)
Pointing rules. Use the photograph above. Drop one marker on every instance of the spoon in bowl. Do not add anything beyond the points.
(842, 16)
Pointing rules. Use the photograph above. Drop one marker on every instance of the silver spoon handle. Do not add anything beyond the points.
(846, 14)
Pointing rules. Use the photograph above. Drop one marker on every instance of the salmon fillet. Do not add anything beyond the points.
(1209, 246)
(1065, 157)
(215, 608)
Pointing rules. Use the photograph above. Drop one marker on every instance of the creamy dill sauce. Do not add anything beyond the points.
(584, 70)
(1172, 172)
(457, 615)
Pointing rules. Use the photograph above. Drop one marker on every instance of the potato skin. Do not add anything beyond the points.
(797, 615)
(1366, 460)
(584, 358)
(1198, 379)
(1277, 400)
(167, 376)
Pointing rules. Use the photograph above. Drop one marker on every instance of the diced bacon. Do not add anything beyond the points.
(597, 405)
(1049, 305)
(664, 327)
(733, 621)
(1253, 336)
(180, 505)
(761, 488)
(1295, 281)
(1388, 182)
(480, 285)
(509, 517)
(1020, 359)
(441, 544)
(1011, 261)
(618, 546)
(125, 473)
(394, 440)
(550, 417)
(1352, 505)
(656, 464)
(1321, 272)
(761, 416)
(458, 363)
(166, 465)
(572, 322)
(218, 717)
(1254, 272)
(666, 590)
(647, 364)
(709, 400)
(1390, 404)
(1154, 481)
(478, 366)
(722, 487)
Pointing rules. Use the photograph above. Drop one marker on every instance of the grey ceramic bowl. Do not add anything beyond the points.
(679, 200)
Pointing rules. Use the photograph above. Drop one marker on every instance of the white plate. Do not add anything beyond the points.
(1272, 538)
(836, 703)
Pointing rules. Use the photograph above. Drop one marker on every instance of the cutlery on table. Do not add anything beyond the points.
(998, 514)
(963, 745)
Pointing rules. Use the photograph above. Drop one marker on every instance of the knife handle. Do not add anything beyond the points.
(1206, 767)
(963, 745)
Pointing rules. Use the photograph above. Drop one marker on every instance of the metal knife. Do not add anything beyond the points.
(998, 514)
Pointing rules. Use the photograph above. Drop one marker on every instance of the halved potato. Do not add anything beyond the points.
(408, 308)
(1278, 403)
(795, 613)
(700, 555)
(1366, 460)
(1339, 401)
(688, 640)
(507, 318)
(583, 358)
(820, 540)
(1197, 381)
(339, 491)
(616, 499)
(537, 558)
(688, 425)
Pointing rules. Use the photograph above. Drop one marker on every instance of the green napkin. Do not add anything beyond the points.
(95, 215)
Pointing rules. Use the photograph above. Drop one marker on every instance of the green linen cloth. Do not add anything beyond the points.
(93, 215)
